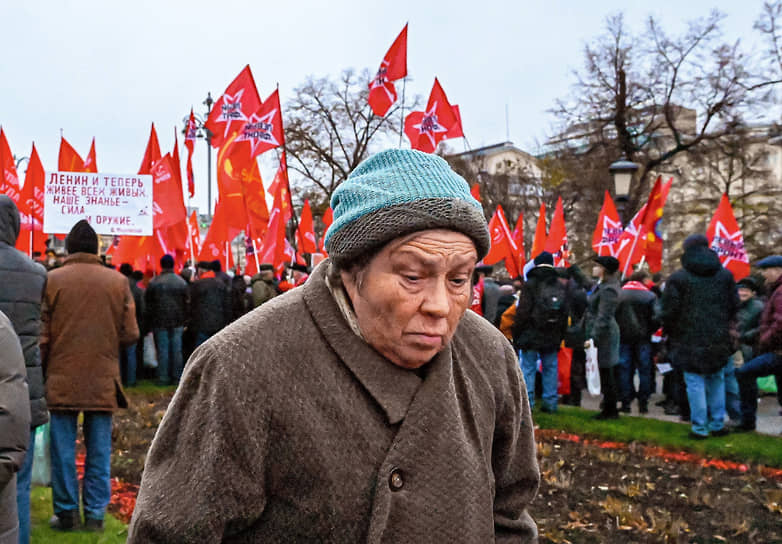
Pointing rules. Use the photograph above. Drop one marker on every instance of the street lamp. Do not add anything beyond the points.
(203, 132)
(622, 171)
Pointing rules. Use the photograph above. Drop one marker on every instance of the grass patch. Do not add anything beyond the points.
(149, 388)
(741, 447)
(114, 531)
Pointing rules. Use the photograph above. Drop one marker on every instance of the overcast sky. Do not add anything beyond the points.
(108, 69)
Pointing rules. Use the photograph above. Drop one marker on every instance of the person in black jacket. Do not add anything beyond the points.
(210, 304)
(698, 309)
(539, 327)
(22, 285)
(129, 356)
(166, 302)
(637, 320)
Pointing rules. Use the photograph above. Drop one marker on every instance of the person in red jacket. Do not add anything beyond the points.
(769, 362)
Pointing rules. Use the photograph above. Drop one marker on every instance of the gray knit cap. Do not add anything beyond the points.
(398, 192)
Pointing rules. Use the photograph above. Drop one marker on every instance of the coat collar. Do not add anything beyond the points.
(392, 387)
(81, 257)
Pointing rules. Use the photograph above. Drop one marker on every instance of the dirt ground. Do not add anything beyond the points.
(591, 491)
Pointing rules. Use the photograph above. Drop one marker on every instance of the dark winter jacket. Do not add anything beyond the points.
(138, 299)
(528, 333)
(748, 321)
(601, 323)
(166, 301)
(771, 321)
(22, 285)
(14, 426)
(491, 296)
(210, 305)
(698, 311)
(636, 314)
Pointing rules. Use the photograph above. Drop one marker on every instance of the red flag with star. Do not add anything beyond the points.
(382, 93)
(31, 208)
(190, 138)
(151, 153)
(68, 159)
(426, 129)
(518, 237)
(632, 244)
(263, 129)
(556, 242)
(9, 183)
(239, 101)
(91, 162)
(726, 240)
(306, 231)
(608, 229)
(503, 247)
(539, 242)
(653, 224)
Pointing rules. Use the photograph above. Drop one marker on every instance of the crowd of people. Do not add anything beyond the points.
(315, 430)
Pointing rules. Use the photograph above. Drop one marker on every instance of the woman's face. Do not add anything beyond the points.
(411, 296)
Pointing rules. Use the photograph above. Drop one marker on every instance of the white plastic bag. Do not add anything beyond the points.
(592, 369)
(42, 463)
(150, 355)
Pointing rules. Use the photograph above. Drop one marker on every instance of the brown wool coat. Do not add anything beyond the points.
(87, 313)
(287, 427)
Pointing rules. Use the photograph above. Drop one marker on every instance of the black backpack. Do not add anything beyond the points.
(550, 307)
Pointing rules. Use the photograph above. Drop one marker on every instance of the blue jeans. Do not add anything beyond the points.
(550, 375)
(169, 354)
(706, 394)
(732, 397)
(747, 376)
(23, 480)
(631, 357)
(96, 492)
(128, 367)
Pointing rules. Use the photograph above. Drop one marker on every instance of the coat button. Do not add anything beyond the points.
(396, 480)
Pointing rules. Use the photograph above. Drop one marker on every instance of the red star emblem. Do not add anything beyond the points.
(728, 245)
(231, 110)
(259, 130)
(429, 126)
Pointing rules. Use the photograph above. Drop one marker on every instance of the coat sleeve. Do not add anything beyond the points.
(203, 478)
(128, 332)
(514, 461)
(609, 300)
(14, 404)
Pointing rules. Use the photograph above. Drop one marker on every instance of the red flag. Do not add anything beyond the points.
(502, 245)
(475, 191)
(608, 230)
(274, 240)
(630, 248)
(91, 162)
(426, 129)
(306, 231)
(151, 153)
(456, 130)
(726, 240)
(556, 242)
(539, 242)
(175, 158)
(231, 161)
(518, 237)
(263, 129)
(190, 138)
(31, 207)
(168, 205)
(216, 245)
(382, 93)
(652, 224)
(255, 201)
(193, 236)
(9, 183)
(281, 181)
(69, 160)
(239, 101)
(328, 219)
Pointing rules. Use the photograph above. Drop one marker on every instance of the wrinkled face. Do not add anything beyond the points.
(410, 297)
(745, 294)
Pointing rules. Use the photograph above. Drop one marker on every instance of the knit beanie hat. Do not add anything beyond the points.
(166, 261)
(82, 239)
(398, 192)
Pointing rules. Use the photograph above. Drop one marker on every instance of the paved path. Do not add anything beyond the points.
(769, 421)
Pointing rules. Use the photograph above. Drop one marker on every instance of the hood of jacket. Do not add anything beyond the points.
(9, 220)
(701, 261)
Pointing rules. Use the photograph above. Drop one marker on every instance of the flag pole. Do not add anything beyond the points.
(632, 249)
(402, 114)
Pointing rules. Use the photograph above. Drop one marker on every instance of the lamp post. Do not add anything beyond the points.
(203, 132)
(622, 171)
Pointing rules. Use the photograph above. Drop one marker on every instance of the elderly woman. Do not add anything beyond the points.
(602, 328)
(365, 406)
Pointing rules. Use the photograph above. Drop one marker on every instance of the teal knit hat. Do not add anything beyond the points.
(397, 192)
